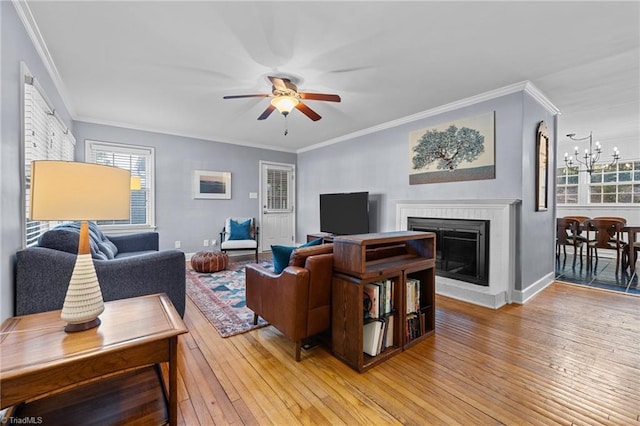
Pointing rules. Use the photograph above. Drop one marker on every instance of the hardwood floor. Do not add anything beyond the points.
(569, 356)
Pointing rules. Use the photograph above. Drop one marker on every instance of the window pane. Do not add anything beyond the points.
(573, 180)
(277, 189)
(610, 177)
(596, 178)
(595, 198)
(609, 198)
(624, 198)
(138, 161)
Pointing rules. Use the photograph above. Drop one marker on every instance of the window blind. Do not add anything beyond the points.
(277, 189)
(139, 161)
(45, 138)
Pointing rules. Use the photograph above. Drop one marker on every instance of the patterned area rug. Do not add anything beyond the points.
(220, 296)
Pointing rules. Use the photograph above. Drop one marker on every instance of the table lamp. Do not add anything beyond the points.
(66, 190)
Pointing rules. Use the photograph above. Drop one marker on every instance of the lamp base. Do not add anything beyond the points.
(72, 328)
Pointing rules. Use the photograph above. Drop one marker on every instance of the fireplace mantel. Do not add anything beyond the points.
(502, 244)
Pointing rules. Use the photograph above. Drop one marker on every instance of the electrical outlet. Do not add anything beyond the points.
(214, 242)
(206, 243)
(177, 244)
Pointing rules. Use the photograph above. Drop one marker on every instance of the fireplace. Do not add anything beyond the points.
(502, 248)
(462, 247)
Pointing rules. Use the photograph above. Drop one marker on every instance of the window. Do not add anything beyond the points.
(567, 185)
(618, 184)
(139, 160)
(278, 189)
(45, 138)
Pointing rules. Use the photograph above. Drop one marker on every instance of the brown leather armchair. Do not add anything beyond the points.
(297, 301)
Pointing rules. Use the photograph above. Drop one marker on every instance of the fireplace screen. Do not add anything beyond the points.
(462, 247)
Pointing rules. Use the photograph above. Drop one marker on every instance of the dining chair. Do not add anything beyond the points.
(605, 234)
(618, 218)
(580, 219)
(567, 234)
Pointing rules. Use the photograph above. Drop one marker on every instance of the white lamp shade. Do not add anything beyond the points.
(284, 104)
(67, 190)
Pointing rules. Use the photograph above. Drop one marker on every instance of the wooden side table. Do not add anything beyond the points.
(38, 358)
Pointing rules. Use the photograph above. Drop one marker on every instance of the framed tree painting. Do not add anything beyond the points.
(212, 185)
(542, 166)
(459, 150)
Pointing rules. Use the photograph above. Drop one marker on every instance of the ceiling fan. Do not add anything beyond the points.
(286, 96)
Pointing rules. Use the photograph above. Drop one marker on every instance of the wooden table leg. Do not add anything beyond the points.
(173, 381)
(632, 253)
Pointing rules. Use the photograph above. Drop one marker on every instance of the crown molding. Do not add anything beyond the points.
(524, 86)
(30, 25)
(536, 94)
(205, 138)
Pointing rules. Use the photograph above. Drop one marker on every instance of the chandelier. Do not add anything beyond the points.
(590, 157)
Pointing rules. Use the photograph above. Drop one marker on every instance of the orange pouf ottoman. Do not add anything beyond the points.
(209, 261)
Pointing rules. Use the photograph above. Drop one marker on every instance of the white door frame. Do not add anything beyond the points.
(262, 164)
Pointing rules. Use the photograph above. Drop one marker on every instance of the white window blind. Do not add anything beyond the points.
(139, 161)
(45, 138)
(277, 189)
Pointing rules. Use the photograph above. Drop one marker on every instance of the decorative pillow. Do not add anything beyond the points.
(282, 254)
(240, 231)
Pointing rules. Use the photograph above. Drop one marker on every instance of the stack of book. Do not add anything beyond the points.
(378, 313)
(413, 295)
(377, 335)
(415, 319)
(380, 294)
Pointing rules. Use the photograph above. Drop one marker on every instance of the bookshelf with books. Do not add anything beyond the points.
(370, 311)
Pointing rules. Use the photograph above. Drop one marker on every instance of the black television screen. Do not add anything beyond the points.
(344, 213)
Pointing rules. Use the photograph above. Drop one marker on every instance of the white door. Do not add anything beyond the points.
(277, 199)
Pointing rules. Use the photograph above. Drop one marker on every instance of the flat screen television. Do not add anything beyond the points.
(344, 213)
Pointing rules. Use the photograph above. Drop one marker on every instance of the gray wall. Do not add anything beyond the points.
(379, 163)
(180, 217)
(15, 47)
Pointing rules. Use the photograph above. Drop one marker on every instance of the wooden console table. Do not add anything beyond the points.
(40, 362)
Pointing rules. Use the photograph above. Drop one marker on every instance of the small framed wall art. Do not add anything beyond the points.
(212, 185)
(542, 166)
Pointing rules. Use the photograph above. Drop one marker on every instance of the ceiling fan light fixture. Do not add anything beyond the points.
(284, 104)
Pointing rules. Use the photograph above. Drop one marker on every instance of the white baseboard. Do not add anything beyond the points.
(522, 296)
(471, 293)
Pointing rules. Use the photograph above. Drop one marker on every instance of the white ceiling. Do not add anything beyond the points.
(165, 66)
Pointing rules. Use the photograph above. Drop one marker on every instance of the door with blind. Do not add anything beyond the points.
(277, 201)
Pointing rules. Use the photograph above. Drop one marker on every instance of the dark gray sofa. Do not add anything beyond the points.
(126, 266)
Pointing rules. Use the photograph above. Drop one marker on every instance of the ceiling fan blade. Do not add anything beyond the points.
(278, 83)
(320, 97)
(262, 95)
(308, 111)
(267, 112)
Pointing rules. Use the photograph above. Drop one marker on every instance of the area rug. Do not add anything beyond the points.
(220, 296)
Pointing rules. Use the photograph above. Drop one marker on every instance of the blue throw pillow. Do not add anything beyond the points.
(315, 242)
(282, 254)
(240, 231)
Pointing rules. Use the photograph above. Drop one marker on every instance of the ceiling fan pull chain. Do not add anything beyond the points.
(286, 130)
